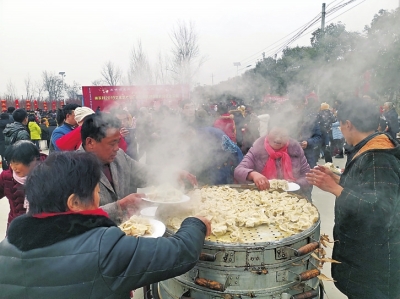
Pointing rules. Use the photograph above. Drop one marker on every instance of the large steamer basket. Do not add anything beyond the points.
(282, 268)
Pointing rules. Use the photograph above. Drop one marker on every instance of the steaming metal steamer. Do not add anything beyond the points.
(279, 269)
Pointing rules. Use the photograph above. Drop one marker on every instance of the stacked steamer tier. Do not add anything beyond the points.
(269, 260)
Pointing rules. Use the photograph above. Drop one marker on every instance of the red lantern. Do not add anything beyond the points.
(53, 105)
(3, 105)
(35, 104)
(16, 104)
(45, 106)
(28, 105)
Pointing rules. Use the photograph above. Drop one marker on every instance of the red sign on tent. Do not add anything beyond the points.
(100, 97)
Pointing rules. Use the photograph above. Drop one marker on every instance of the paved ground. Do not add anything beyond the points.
(324, 202)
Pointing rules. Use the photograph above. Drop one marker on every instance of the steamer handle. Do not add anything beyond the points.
(210, 284)
(306, 249)
(183, 297)
(306, 295)
(309, 274)
(208, 257)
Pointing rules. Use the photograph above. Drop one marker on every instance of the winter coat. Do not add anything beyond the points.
(336, 133)
(127, 175)
(14, 192)
(3, 124)
(58, 133)
(309, 130)
(393, 122)
(51, 129)
(215, 162)
(88, 257)
(14, 132)
(257, 157)
(325, 119)
(34, 130)
(226, 123)
(45, 132)
(367, 222)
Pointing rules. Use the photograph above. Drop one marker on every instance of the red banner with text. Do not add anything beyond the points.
(105, 97)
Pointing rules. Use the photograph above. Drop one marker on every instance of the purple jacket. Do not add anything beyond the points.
(257, 157)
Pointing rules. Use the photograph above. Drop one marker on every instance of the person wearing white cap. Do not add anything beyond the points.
(72, 140)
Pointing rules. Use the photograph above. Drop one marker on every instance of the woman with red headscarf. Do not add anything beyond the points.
(275, 156)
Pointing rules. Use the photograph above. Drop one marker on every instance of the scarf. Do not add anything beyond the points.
(19, 179)
(269, 170)
(96, 212)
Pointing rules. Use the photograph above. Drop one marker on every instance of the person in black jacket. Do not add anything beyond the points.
(67, 247)
(309, 133)
(391, 117)
(367, 206)
(4, 120)
(45, 132)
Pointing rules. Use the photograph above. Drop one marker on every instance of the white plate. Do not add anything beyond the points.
(149, 212)
(183, 199)
(293, 187)
(158, 229)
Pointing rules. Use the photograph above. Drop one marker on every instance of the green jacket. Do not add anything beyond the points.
(367, 223)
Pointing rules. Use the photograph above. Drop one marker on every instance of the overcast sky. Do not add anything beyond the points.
(79, 36)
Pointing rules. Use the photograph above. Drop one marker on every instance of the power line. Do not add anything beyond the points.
(303, 29)
(307, 32)
(259, 52)
(303, 32)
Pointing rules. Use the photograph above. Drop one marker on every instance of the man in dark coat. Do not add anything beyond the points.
(367, 207)
(17, 130)
(4, 120)
(392, 121)
(45, 132)
(309, 135)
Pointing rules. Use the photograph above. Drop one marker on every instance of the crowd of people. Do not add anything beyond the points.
(74, 197)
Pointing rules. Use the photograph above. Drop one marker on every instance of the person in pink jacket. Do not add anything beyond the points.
(275, 156)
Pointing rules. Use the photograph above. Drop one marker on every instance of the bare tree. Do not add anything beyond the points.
(161, 69)
(97, 82)
(28, 87)
(186, 59)
(111, 74)
(53, 84)
(73, 90)
(39, 88)
(11, 93)
(139, 72)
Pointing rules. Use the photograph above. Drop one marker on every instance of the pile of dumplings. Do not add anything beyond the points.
(231, 211)
(137, 226)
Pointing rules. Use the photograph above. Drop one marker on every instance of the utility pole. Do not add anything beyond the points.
(323, 18)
